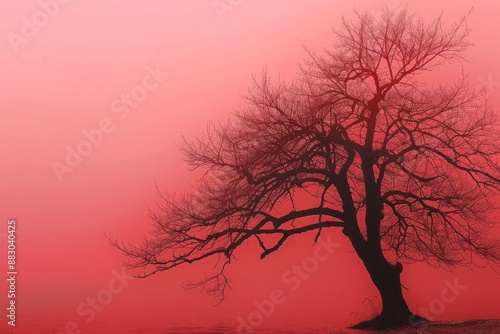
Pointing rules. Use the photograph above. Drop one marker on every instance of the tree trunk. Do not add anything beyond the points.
(395, 311)
(386, 277)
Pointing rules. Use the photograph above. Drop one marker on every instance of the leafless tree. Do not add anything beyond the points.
(408, 170)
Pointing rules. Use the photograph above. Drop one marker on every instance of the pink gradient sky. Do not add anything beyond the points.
(65, 79)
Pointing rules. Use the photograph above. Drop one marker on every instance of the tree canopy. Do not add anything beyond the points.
(403, 166)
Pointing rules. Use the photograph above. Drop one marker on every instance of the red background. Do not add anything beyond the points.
(65, 79)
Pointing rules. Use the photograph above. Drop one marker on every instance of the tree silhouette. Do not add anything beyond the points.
(407, 170)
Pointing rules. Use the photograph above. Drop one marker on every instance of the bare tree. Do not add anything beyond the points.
(407, 170)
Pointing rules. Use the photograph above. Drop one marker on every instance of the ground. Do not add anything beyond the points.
(448, 327)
